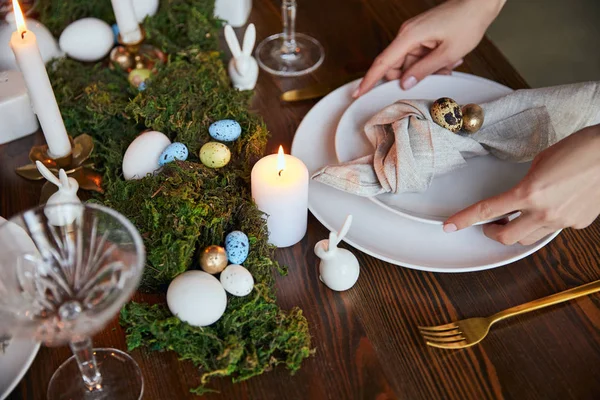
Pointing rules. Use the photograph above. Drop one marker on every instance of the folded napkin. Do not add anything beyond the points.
(410, 149)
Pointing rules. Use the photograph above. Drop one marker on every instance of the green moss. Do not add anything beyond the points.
(187, 206)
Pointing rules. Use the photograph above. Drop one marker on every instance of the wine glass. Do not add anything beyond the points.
(289, 53)
(65, 271)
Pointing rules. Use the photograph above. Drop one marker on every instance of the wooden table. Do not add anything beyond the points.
(367, 343)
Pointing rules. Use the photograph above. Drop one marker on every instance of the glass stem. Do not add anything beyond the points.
(84, 354)
(288, 10)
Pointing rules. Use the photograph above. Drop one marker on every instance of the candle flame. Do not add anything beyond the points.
(21, 27)
(280, 160)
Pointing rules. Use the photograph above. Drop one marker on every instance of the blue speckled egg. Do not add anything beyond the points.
(115, 29)
(225, 130)
(237, 247)
(174, 151)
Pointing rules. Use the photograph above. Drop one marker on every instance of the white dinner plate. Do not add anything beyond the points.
(20, 353)
(377, 232)
(481, 178)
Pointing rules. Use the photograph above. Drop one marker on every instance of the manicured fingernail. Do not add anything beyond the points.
(458, 63)
(409, 82)
(356, 92)
(448, 228)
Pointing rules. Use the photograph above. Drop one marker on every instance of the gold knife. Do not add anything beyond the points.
(317, 90)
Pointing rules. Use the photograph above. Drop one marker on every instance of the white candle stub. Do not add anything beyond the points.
(129, 28)
(280, 190)
(16, 114)
(24, 44)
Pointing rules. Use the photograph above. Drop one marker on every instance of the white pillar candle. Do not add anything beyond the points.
(24, 46)
(280, 190)
(126, 20)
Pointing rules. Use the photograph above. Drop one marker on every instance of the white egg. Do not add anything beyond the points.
(237, 280)
(144, 7)
(141, 157)
(87, 39)
(197, 298)
(46, 42)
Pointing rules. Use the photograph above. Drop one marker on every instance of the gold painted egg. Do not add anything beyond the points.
(473, 117)
(215, 155)
(446, 113)
(213, 259)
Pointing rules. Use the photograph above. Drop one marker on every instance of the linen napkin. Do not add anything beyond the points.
(410, 150)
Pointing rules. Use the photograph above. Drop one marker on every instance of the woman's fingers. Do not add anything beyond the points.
(434, 61)
(536, 236)
(514, 231)
(393, 55)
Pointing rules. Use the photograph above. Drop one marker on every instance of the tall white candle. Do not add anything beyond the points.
(280, 190)
(126, 20)
(24, 46)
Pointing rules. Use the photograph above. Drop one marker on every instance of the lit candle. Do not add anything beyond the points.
(280, 190)
(24, 46)
(129, 28)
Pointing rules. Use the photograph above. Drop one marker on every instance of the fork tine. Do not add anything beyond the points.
(454, 345)
(446, 339)
(438, 328)
(451, 332)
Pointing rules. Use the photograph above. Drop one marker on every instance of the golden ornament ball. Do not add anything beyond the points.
(473, 117)
(213, 259)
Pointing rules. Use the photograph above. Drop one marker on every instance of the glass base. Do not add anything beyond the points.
(307, 56)
(121, 379)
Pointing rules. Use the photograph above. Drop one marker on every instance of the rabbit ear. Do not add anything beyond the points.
(249, 39)
(64, 179)
(232, 42)
(47, 174)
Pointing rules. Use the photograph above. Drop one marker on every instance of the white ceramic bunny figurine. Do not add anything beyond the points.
(243, 68)
(338, 268)
(67, 193)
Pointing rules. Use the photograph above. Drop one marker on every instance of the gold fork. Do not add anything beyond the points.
(467, 332)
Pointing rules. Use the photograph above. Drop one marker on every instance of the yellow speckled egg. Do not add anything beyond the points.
(447, 113)
(215, 155)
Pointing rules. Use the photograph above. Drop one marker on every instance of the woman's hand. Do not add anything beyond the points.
(561, 190)
(434, 41)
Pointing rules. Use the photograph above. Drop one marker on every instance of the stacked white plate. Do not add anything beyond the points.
(20, 353)
(405, 229)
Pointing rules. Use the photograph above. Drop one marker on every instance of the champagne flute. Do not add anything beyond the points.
(289, 53)
(61, 281)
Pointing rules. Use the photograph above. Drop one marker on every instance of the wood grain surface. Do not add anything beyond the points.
(368, 346)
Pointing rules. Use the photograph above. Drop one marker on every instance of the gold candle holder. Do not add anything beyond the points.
(77, 165)
(130, 56)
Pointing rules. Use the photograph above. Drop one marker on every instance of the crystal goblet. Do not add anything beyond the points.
(289, 53)
(65, 271)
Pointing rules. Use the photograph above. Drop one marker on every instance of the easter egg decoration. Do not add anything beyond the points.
(237, 247)
(197, 298)
(473, 117)
(225, 130)
(446, 113)
(213, 259)
(237, 280)
(87, 39)
(137, 77)
(215, 155)
(174, 151)
(142, 155)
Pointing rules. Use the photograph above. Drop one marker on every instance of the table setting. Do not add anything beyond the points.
(197, 206)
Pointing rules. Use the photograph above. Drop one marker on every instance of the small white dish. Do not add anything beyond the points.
(481, 178)
(375, 231)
